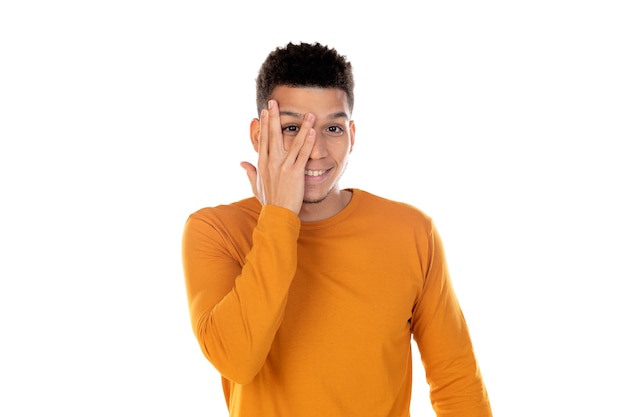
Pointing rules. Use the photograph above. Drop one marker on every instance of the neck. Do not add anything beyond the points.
(331, 205)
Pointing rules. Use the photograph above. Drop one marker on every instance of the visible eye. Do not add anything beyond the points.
(291, 129)
(335, 130)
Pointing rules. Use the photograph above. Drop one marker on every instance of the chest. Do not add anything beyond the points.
(364, 288)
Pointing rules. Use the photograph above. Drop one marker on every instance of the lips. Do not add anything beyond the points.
(314, 172)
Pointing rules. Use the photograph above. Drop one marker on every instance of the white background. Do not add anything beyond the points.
(505, 121)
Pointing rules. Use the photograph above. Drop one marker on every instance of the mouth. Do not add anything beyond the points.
(314, 172)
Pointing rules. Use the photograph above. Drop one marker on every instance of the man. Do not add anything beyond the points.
(306, 296)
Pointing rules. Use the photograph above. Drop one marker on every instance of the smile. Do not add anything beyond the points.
(313, 173)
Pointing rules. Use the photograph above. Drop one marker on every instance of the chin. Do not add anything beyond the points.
(308, 201)
(316, 198)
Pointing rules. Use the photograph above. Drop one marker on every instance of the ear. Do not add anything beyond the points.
(255, 126)
(352, 134)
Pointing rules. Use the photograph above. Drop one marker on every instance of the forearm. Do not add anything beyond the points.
(235, 310)
(456, 384)
(441, 332)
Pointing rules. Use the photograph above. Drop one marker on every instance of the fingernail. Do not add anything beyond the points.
(270, 104)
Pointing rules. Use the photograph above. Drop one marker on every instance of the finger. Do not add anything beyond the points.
(251, 173)
(302, 137)
(275, 130)
(306, 149)
(256, 181)
(263, 134)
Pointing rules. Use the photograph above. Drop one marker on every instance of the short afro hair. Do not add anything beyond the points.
(304, 65)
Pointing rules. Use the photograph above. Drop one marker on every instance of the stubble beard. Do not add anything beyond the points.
(330, 190)
(319, 200)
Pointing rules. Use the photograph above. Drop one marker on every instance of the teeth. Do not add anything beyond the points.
(311, 173)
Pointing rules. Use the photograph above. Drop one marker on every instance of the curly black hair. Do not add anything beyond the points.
(304, 65)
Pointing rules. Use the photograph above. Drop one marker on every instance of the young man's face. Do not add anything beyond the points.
(334, 137)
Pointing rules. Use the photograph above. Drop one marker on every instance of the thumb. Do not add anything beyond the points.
(250, 171)
(255, 181)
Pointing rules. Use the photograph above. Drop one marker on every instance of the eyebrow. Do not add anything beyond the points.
(338, 115)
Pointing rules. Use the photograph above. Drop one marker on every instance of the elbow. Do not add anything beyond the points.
(237, 363)
(240, 369)
(241, 378)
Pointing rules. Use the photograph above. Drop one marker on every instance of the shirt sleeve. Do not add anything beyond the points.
(235, 311)
(442, 336)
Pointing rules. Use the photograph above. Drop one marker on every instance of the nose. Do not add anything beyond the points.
(319, 150)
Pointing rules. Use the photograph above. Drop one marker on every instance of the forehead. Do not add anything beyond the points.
(320, 101)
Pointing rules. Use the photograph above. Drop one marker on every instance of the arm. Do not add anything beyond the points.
(235, 312)
(442, 335)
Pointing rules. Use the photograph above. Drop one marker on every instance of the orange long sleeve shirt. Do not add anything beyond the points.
(316, 318)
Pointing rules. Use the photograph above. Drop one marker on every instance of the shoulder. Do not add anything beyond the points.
(220, 231)
(247, 208)
(226, 218)
(392, 210)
